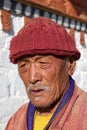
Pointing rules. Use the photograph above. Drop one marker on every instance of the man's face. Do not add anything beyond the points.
(45, 78)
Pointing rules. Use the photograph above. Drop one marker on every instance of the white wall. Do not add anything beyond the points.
(12, 92)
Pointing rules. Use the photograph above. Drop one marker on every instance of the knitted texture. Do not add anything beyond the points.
(42, 36)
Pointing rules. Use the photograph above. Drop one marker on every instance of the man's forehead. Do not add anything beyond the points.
(35, 57)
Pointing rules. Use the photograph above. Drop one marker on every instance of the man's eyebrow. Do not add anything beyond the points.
(35, 58)
(22, 60)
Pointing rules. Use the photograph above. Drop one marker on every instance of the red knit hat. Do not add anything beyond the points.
(42, 36)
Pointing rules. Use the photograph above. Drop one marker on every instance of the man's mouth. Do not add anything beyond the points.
(37, 92)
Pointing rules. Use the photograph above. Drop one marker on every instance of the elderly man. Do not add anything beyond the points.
(46, 56)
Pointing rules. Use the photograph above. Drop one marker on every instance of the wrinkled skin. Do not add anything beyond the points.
(46, 78)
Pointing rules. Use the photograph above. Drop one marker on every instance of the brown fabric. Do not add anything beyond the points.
(82, 38)
(6, 20)
(26, 19)
(72, 33)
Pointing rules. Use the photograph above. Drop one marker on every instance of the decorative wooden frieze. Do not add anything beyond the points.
(71, 14)
(76, 9)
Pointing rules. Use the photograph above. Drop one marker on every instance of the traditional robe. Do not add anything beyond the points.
(73, 116)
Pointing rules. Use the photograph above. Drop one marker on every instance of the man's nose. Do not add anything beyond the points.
(34, 74)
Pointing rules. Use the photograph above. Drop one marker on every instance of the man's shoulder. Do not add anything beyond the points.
(18, 119)
(22, 109)
(81, 92)
(21, 112)
(81, 96)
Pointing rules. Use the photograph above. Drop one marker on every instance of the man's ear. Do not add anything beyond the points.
(72, 67)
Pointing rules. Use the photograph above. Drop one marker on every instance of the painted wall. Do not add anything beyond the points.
(12, 91)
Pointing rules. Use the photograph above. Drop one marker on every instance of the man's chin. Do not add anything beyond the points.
(43, 107)
(40, 105)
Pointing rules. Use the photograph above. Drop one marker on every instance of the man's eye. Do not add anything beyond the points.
(22, 65)
(44, 65)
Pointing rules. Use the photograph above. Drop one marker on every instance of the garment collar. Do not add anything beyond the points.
(65, 99)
